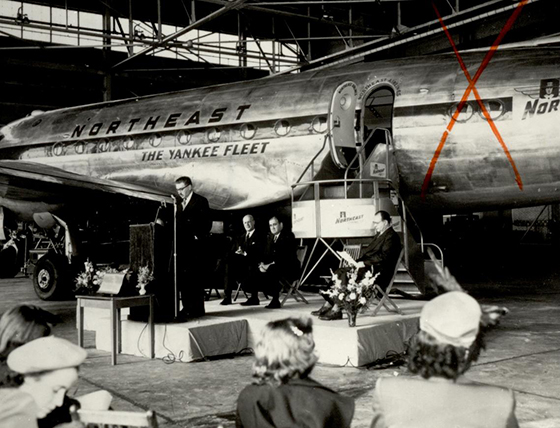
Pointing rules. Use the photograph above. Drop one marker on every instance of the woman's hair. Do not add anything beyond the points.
(284, 351)
(19, 325)
(428, 357)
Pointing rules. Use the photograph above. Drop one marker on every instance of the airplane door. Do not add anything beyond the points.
(341, 124)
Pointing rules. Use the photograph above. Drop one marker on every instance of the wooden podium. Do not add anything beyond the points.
(151, 245)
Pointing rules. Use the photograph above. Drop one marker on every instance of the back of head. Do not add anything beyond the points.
(285, 350)
(449, 339)
(22, 324)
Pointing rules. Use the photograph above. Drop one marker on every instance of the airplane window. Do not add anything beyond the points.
(495, 109)
(214, 134)
(80, 147)
(103, 146)
(466, 112)
(58, 149)
(319, 124)
(282, 127)
(248, 130)
(155, 140)
(128, 143)
(184, 137)
(116, 146)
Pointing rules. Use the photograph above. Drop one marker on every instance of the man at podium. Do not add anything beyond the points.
(193, 224)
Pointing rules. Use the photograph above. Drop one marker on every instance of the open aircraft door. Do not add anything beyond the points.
(342, 113)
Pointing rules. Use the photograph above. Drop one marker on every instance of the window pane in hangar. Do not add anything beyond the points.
(91, 21)
(10, 8)
(36, 12)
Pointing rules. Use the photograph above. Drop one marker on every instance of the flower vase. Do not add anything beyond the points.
(142, 288)
(352, 317)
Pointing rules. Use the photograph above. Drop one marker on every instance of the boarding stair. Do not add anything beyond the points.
(370, 183)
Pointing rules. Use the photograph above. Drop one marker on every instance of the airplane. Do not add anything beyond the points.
(245, 144)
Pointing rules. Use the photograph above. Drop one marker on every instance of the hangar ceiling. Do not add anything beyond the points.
(137, 48)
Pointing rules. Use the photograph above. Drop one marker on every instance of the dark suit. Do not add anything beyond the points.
(382, 253)
(298, 403)
(240, 267)
(193, 226)
(284, 255)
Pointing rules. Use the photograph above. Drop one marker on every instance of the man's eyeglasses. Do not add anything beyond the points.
(182, 188)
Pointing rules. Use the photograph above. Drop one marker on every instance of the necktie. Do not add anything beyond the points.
(275, 238)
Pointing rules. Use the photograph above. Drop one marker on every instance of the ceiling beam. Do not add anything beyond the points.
(293, 15)
(236, 4)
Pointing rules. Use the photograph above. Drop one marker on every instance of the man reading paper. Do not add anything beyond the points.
(382, 254)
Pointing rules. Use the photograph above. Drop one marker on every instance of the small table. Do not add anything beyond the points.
(115, 304)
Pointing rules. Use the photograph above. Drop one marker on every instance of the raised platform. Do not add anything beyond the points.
(230, 329)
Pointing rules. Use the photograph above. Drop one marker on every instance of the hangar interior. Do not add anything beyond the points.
(68, 52)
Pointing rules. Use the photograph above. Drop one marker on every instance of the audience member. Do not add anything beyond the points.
(22, 324)
(449, 341)
(242, 261)
(48, 367)
(283, 394)
(382, 254)
(279, 261)
(193, 224)
(19, 325)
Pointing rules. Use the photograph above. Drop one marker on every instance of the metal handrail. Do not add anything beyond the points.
(310, 164)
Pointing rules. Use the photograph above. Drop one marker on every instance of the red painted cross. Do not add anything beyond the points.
(472, 88)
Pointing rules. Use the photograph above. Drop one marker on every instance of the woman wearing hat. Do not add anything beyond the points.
(49, 367)
(283, 395)
(448, 342)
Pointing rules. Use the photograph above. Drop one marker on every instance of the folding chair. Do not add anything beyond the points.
(353, 250)
(114, 419)
(377, 291)
(241, 289)
(238, 290)
(294, 286)
(208, 293)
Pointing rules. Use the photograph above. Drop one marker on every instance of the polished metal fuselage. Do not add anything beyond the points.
(245, 144)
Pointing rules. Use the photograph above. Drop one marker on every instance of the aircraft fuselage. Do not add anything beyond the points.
(245, 144)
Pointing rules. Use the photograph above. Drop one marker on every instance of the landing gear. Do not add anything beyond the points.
(50, 277)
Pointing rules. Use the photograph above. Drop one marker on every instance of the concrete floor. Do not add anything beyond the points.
(523, 353)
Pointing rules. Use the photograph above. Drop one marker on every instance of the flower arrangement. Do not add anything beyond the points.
(145, 276)
(89, 280)
(352, 293)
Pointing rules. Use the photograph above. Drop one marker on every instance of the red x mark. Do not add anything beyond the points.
(472, 87)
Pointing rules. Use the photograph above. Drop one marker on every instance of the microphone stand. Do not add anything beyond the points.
(175, 284)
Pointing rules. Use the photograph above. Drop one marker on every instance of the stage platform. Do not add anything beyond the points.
(231, 329)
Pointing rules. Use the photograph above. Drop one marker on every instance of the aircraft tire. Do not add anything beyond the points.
(49, 277)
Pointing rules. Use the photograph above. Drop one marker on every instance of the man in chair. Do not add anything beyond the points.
(382, 254)
(242, 261)
(278, 262)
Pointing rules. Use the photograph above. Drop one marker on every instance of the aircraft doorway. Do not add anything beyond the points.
(377, 119)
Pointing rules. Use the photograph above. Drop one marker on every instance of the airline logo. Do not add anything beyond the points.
(546, 98)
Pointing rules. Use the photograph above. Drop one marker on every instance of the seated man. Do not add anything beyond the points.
(242, 261)
(382, 254)
(279, 261)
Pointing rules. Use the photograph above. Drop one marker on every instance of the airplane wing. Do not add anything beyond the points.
(30, 181)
